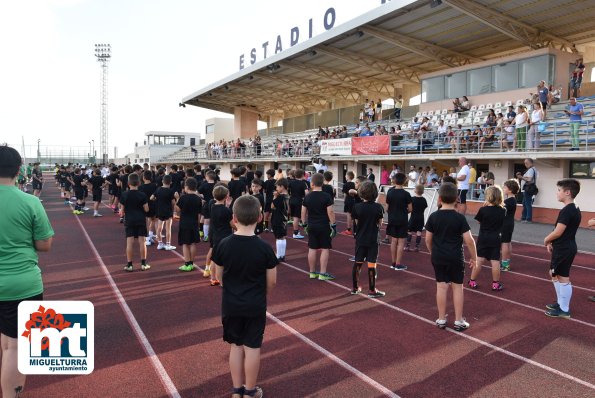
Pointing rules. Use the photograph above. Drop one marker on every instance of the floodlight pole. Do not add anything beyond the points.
(103, 52)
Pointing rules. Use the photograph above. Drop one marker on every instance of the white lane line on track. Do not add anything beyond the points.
(466, 336)
(140, 335)
(356, 372)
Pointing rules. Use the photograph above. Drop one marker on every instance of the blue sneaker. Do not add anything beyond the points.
(558, 313)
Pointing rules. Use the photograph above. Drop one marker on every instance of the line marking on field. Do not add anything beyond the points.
(140, 335)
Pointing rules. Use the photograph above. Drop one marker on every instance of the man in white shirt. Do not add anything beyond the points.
(441, 130)
(412, 177)
(463, 177)
(398, 107)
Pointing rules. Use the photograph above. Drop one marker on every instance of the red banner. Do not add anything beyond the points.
(374, 145)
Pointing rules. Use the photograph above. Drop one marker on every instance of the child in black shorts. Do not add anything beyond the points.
(246, 282)
(78, 180)
(416, 221)
(349, 201)
(205, 191)
(149, 188)
(320, 227)
(255, 188)
(269, 190)
(399, 206)
(189, 207)
(236, 186)
(561, 244)
(97, 183)
(327, 186)
(134, 206)
(280, 216)
(491, 217)
(510, 189)
(368, 216)
(298, 188)
(446, 230)
(221, 226)
(165, 200)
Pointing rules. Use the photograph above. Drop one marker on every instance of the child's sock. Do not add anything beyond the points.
(205, 229)
(357, 267)
(129, 264)
(417, 241)
(408, 239)
(143, 262)
(281, 246)
(557, 287)
(201, 226)
(565, 295)
(372, 276)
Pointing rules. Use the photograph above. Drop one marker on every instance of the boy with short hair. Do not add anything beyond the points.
(189, 207)
(221, 227)
(78, 180)
(97, 183)
(149, 188)
(349, 201)
(255, 188)
(510, 188)
(246, 282)
(368, 216)
(327, 186)
(205, 191)
(320, 226)
(165, 198)
(269, 190)
(446, 230)
(37, 180)
(561, 244)
(236, 186)
(416, 221)
(297, 192)
(133, 205)
(280, 216)
(399, 205)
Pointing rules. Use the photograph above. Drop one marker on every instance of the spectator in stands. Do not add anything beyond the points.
(508, 136)
(361, 116)
(456, 105)
(465, 105)
(499, 123)
(488, 138)
(441, 131)
(398, 107)
(371, 112)
(412, 177)
(194, 151)
(537, 118)
(511, 114)
(576, 78)
(366, 131)
(555, 95)
(544, 94)
(521, 121)
(575, 111)
(379, 110)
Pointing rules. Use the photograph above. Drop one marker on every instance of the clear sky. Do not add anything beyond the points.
(162, 51)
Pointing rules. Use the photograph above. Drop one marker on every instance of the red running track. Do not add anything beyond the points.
(162, 336)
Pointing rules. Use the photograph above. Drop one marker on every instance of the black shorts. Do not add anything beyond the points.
(396, 231)
(319, 237)
(188, 236)
(449, 273)
(463, 195)
(97, 195)
(206, 211)
(79, 193)
(279, 231)
(506, 234)
(295, 209)
(489, 252)
(416, 223)
(9, 315)
(37, 185)
(164, 217)
(267, 205)
(348, 206)
(367, 253)
(544, 105)
(248, 331)
(136, 231)
(67, 188)
(562, 259)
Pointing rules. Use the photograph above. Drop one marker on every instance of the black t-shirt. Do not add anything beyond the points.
(219, 226)
(38, 174)
(97, 183)
(447, 228)
(159, 180)
(297, 190)
(419, 205)
(149, 190)
(570, 215)
(79, 180)
(260, 198)
(269, 189)
(490, 220)
(190, 206)
(249, 178)
(64, 177)
(176, 182)
(367, 214)
(280, 210)
(346, 187)
(236, 188)
(317, 202)
(206, 190)
(398, 201)
(112, 178)
(510, 206)
(133, 201)
(328, 188)
(244, 277)
(163, 197)
(124, 182)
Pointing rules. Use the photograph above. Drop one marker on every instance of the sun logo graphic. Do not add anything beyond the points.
(56, 337)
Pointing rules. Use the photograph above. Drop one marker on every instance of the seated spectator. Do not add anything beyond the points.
(358, 129)
(441, 131)
(450, 135)
(366, 131)
(555, 95)
(499, 123)
(456, 105)
(465, 105)
(508, 135)
(474, 137)
(488, 137)
(415, 124)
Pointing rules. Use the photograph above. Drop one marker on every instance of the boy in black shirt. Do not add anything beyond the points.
(280, 216)
(249, 175)
(97, 183)
(297, 191)
(114, 190)
(189, 207)
(320, 227)
(222, 226)
(165, 199)
(236, 187)
(269, 189)
(510, 188)
(176, 179)
(349, 201)
(416, 221)
(246, 282)
(149, 188)
(255, 188)
(399, 205)
(123, 183)
(78, 180)
(561, 244)
(368, 216)
(205, 191)
(327, 186)
(446, 230)
(134, 206)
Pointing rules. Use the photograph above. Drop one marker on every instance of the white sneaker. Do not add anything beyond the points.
(85, 208)
(160, 246)
(97, 215)
(461, 325)
(169, 247)
(298, 236)
(148, 242)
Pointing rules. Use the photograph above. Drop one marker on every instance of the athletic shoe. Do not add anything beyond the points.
(385, 240)
(148, 242)
(325, 277)
(441, 323)
(169, 247)
(206, 238)
(461, 325)
(407, 249)
(352, 258)
(215, 282)
(160, 246)
(416, 249)
(497, 286)
(553, 306)
(86, 209)
(347, 232)
(97, 215)
(558, 313)
(298, 236)
(128, 268)
(473, 284)
(376, 293)
(121, 220)
(400, 267)
(313, 275)
(266, 230)
(281, 259)
(206, 273)
(186, 267)
(290, 222)
(592, 298)
(505, 268)
(356, 291)
(145, 267)
(201, 234)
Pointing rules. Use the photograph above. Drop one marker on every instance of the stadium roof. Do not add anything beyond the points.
(393, 45)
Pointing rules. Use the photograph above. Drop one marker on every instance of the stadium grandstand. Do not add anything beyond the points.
(415, 59)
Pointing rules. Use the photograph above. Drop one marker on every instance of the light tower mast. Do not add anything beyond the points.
(103, 52)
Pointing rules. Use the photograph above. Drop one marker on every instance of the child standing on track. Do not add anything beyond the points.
(97, 183)
(416, 221)
(399, 205)
(189, 207)
(280, 216)
(320, 227)
(78, 180)
(165, 199)
(510, 189)
(236, 186)
(368, 216)
(149, 188)
(133, 207)
(255, 188)
(269, 190)
(297, 192)
(246, 282)
(206, 192)
(221, 227)
(491, 218)
(327, 186)
(349, 200)
(446, 230)
(561, 244)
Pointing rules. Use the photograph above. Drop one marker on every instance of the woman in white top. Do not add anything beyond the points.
(533, 135)
(521, 122)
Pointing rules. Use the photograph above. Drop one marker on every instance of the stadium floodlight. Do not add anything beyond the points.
(103, 53)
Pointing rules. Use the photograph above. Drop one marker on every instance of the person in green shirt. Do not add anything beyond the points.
(24, 230)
